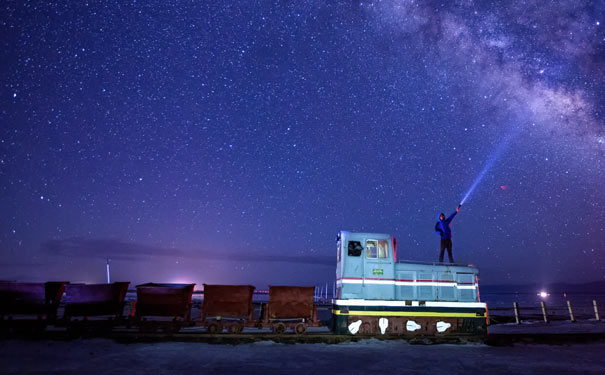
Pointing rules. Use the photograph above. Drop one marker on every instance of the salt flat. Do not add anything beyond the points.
(102, 356)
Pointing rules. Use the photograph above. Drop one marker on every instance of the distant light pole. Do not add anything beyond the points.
(108, 278)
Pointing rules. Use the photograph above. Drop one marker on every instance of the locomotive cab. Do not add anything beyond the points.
(365, 262)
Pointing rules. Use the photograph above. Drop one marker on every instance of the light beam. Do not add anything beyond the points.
(491, 160)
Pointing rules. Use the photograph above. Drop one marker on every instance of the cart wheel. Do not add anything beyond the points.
(175, 327)
(4, 328)
(39, 327)
(76, 329)
(101, 328)
(235, 328)
(148, 327)
(144, 328)
(279, 328)
(172, 327)
(300, 328)
(214, 328)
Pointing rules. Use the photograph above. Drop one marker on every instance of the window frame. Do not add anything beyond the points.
(377, 252)
(349, 250)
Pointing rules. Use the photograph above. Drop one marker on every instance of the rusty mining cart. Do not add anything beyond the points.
(163, 306)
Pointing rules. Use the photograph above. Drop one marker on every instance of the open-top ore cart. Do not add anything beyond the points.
(29, 306)
(94, 306)
(227, 306)
(156, 302)
(290, 307)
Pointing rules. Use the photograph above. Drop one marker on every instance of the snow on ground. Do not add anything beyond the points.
(102, 356)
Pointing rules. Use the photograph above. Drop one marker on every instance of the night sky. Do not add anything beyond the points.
(230, 141)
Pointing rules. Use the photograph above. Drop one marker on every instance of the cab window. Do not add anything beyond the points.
(354, 248)
(371, 249)
(383, 249)
(377, 249)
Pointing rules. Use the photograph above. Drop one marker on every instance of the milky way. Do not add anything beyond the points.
(228, 142)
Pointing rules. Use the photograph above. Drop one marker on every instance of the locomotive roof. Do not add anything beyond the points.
(365, 234)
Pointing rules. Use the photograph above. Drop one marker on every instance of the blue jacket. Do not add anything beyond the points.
(443, 227)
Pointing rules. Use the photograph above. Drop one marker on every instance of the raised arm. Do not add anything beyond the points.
(449, 219)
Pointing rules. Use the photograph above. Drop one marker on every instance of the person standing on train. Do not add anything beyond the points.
(443, 228)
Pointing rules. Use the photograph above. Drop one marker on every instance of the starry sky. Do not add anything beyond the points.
(230, 141)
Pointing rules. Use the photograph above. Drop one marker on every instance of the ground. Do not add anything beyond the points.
(103, 356)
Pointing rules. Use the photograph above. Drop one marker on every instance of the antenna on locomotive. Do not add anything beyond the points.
(108, 278)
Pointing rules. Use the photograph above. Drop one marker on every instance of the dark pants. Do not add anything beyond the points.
(446, 244)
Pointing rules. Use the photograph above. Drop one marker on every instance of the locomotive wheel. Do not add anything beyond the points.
(214, 328)
(279, 328)
(235, 328)
(300, 328)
